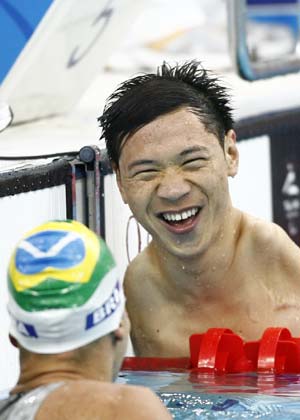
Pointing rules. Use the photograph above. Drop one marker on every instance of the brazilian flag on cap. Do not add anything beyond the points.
(58, 265)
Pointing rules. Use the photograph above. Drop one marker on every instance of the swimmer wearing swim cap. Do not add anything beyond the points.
(66, 306)
(64, 289)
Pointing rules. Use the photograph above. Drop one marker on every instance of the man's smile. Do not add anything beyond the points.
(180, 221)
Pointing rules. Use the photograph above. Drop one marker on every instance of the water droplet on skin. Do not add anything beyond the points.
(183, 267)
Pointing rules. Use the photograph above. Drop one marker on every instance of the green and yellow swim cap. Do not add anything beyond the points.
(64, 291)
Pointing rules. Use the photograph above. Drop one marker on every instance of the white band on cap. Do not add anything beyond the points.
(58, 330)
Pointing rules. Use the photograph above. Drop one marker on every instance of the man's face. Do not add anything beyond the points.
(173, 175)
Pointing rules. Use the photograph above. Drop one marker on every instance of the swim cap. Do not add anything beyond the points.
(64, 291)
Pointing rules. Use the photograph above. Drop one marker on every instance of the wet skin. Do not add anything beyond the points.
(86, 390)
(209, 264)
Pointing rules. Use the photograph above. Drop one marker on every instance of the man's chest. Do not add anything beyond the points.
(168, 329)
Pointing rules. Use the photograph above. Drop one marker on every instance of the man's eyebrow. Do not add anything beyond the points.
(140, 162)
(193, 149)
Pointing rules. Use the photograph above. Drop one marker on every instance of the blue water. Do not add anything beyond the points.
(231, 396)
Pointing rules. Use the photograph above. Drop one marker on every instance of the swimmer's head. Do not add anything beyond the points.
(142, 99)
(64, 290)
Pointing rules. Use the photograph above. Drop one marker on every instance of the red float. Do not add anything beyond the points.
(220, 350)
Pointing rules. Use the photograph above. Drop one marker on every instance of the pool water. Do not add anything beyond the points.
(230, 396)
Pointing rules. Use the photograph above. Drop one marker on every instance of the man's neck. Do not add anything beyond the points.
(38, 370)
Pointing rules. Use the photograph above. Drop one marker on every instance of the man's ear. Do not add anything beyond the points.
(231, 153)
(119, 182)
(123, 329)
(13, 341)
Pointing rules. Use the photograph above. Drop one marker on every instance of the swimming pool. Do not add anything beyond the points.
(230, 396)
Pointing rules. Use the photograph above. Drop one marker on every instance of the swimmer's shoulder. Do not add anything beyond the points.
(140, 283)
(141, 268)
(269, 240)
(87, 400)
(263, 232)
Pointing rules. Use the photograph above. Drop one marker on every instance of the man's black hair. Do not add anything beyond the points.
(138, 101)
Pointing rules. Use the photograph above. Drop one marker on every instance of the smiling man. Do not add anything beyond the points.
(171, 142)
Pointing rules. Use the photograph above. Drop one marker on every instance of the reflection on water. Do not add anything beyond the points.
(286, 385)
(280, 385)
(231, 396)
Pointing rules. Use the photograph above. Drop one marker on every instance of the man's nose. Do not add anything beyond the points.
(173, 186)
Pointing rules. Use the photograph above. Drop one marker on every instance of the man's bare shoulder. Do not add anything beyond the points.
(269, 240)
(142, 270)
(262, 231)
(143, 261)
(89, 400)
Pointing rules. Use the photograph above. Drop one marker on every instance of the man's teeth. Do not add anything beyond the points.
(176, 217)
